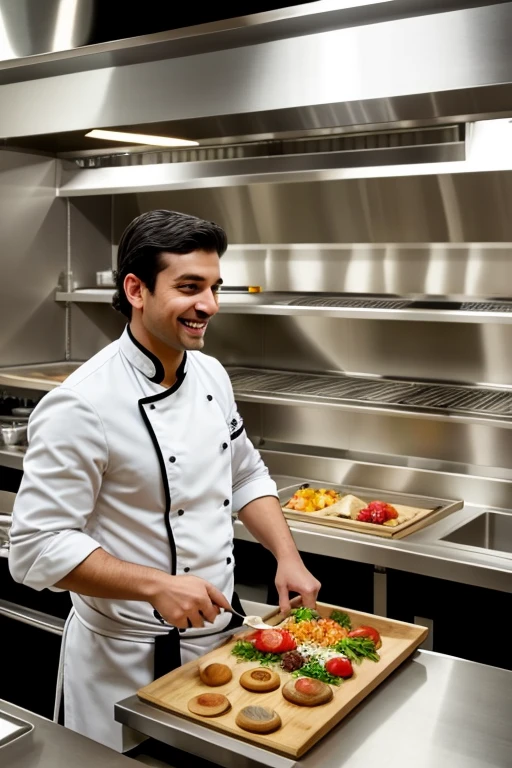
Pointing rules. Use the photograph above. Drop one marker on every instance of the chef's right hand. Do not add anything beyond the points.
(185, 601)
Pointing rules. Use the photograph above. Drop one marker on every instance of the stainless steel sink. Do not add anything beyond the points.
(490, 530)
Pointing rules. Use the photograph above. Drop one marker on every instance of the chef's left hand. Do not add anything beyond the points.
(293, 576)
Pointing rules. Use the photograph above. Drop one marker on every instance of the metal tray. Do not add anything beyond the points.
(433, 509)
(12, 732)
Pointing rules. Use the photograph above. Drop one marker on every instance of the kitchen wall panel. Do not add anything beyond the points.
(472, 207)
(92, 326)
(407, 440)
(32, 254)
(456, 352)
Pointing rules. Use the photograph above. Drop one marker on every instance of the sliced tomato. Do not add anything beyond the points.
(289, 643)
(339, 666)
(251, 636)
(369, 632)
(309, 686)
(274, 641)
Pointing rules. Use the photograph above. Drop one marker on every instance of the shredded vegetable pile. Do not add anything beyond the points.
(323, 632)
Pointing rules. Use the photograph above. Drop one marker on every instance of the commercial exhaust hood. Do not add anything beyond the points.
(251, 89)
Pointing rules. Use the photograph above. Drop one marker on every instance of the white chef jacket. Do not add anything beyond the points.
(150, 474)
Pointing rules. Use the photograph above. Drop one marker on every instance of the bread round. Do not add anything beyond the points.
(308, 694)
(215, 674)
(260, 680)
(209, 704)
(258, 719)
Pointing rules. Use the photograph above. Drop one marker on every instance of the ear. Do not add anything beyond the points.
(134, 289)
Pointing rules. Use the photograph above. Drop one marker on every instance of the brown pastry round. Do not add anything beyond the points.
(215, 674)
(209, 704)
(307, 692)
(258, 719)
(260, 680)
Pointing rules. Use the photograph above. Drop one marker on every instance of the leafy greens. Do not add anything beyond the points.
(342, 619)
(246, 651)
(357, 648)
(304, 614)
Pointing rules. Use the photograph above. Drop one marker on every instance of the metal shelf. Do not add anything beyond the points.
(356, 307)
(462, 403)
(37, 377)
(12, 457)
(86, 295)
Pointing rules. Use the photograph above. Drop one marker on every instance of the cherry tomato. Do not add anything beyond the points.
(391, 512)
(308, 685)
(339, 666)
(274, 641)
(369, 632)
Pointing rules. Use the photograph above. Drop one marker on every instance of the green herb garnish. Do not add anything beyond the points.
(304, 614)
(246, 651)
(342, 619)
(313, 668)
(357, 648)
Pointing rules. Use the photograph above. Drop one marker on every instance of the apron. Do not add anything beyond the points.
(122, 665)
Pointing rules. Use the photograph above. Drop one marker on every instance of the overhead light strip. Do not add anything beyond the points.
(141, 138)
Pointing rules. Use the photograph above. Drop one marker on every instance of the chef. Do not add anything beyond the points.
(135, 467)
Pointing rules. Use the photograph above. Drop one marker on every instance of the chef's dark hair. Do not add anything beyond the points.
(150, 235)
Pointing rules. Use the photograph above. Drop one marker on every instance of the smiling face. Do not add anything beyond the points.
(175, 316)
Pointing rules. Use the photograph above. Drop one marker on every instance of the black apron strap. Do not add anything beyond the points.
(167, 647)
(167, 653)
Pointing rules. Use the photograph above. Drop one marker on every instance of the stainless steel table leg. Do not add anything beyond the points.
(380, 598)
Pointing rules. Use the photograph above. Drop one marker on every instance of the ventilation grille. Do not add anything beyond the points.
(277, 147)
(331, 388)
(350, 303)
(383, 303)
(485, 306)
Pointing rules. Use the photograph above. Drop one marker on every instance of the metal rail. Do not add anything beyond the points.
(33, 618)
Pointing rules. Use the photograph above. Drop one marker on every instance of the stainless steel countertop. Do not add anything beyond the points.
(53, 746)
(423, 553)
(434, 711)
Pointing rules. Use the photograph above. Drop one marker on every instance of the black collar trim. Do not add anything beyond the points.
(180, 375)
(159, 374)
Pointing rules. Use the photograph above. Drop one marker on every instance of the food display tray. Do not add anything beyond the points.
(301, 726)
(427, 509)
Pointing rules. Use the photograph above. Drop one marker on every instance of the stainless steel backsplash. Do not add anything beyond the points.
(436, 235)
(457, 208)
(455, 352)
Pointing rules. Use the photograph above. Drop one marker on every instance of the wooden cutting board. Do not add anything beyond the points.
(419, 517)
(416, 522)
(301, 727)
